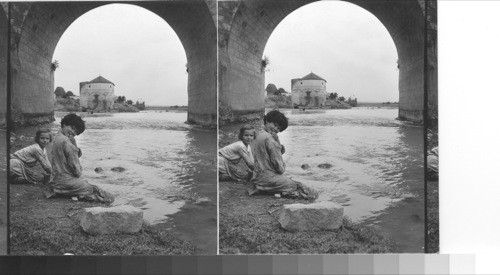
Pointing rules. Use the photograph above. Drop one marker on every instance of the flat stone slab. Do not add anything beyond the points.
(318, 216)
(111, 220)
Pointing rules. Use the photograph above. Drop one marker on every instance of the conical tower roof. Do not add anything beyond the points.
(100, 79)
(312, 76)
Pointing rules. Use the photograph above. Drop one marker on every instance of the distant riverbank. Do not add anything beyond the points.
(285, 102)
(167, 108)
(379, 104)
(73, 105)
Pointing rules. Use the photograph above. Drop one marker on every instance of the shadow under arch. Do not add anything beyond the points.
(245, 27)
(37, 28)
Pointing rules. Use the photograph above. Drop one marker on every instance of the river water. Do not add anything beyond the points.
(170, 169)
(376, 172)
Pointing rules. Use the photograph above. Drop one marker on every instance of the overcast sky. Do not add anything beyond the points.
(128, 45)
(342, 43)
(141, 54)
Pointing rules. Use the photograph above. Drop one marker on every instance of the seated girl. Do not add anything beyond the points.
(230, 165)
(269, 165)
(31, 164)
(67, 180)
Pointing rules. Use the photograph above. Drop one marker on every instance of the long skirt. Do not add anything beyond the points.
(32, 174)
(233, 170)
(277, 183)
(79, 188)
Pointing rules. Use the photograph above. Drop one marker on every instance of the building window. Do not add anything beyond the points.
(89, 86)
(301, 83)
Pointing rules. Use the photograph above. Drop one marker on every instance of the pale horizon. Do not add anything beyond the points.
(143, 57)
(340, 42)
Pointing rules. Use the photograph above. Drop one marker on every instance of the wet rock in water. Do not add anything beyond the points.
(118, 219)
(305, 166)
(98, 170)
(415, 218)
(325, 165)
(311, 217)
(117, 169)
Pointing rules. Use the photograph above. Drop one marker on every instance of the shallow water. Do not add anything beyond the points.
(169, 167)
(376, 168)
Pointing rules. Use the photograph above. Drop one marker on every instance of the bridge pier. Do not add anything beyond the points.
(245, 27)
(37, 28)
(3, 67)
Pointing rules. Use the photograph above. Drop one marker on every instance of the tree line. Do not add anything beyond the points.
(61, 93)
(123, 100)
(271, 89)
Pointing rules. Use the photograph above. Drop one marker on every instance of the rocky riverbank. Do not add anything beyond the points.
(249, 224)
(73, 105)
(41, 226)
(285, 101)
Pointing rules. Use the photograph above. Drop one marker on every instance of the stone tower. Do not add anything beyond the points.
(309, 91)
(97, 94)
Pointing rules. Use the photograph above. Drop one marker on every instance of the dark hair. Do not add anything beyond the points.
(277, 118)
(75, 121)
(40, 132)
(246, 128)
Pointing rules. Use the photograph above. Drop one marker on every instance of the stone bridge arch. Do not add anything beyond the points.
(37, 28)
(245, 27)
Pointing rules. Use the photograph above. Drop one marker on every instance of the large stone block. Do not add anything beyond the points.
(118, 219)
(311, 217)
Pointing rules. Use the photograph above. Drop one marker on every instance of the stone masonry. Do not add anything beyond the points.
(112, 220)
(37, 27)
(245, 27)
(319, 216)
(3, 68)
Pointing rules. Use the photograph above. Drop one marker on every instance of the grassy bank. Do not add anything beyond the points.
(432, 198)
(249, 224)
(432, 217)
(41, 226)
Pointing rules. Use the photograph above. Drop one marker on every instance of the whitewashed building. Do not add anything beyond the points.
(309, 91)
(97, 94)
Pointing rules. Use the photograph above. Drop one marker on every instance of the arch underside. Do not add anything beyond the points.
(37, 28)
(245, 27)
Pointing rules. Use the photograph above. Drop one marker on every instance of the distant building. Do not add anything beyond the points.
(309, 91)
(97, 94)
